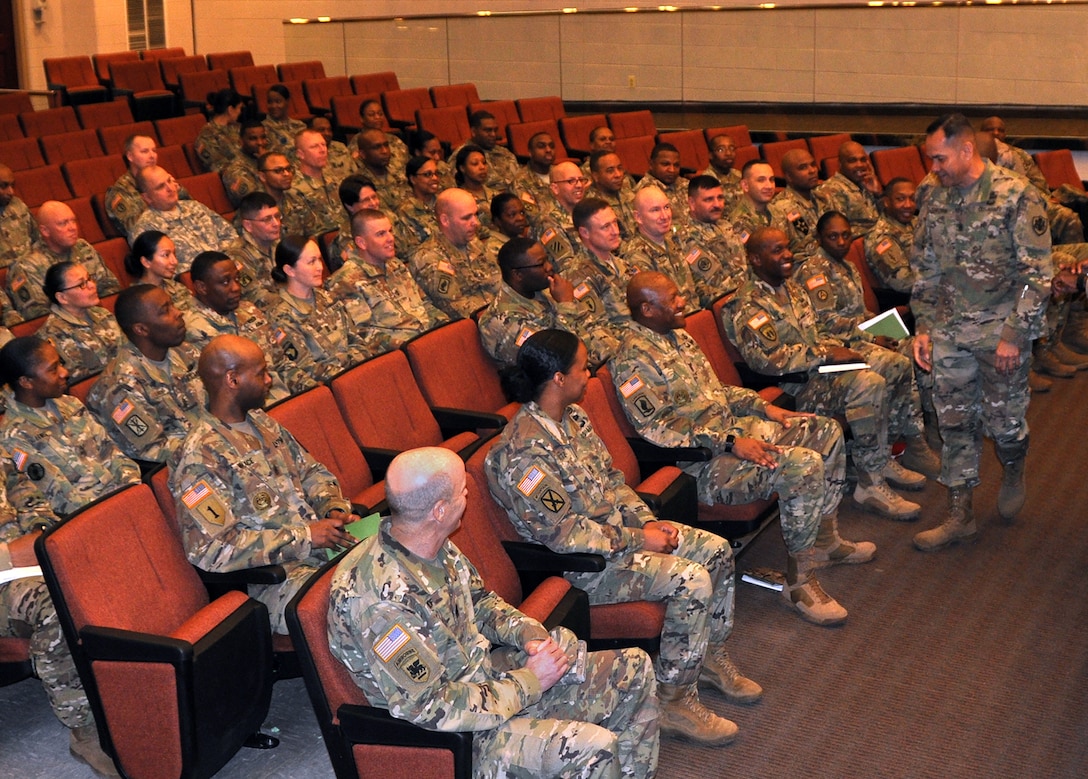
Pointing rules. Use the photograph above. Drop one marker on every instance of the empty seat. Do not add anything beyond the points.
(401, 105)
(21, 154)
(141, 82)
(15, 103)
(113, 137)
(824, 146)
(635, 153)
(89, 228)
(195, 86)
(540, 109)
(449, 124)
(745, 154)
(454, 95)
(94, 175)
(172, 68)
(170, 52)
(694, 152)
(49, 121)
(225, 60)
(738, 132)
(905, 161)
(576, 129)
(97, 115)
(519, 135)
(10, 129)
(383, 81)
(67, 147)
(242, 80)
(113, 251)
(632, 124)
(1059, 168)
(46, 182)
(320, 91)
(300, 71)
(774, 151)
(208, 189)
(179, 130)
(75, 78)
(102, 63)
(505, 113)
(173, 159)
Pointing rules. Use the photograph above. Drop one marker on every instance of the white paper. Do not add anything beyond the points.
(844, 366)
(11, 574)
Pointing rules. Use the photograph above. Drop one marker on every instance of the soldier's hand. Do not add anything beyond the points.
(755, 451)
(1008, 357)
(548, 661)
(923, 352)
(660, 537)
(562, 291)
(885, 342)
(783, 416)
(842, 354)
(330, 534)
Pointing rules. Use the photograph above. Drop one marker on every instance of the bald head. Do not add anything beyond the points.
(995, 126)
(7, 185)
(223, 354)
(761, 238)
(646, 291)
(853, 161)
(457, 217)
(563, 171)
(235, 375)
(653, 213)
(58, 226)
(800, 171)
(567, 184)
(418, 479)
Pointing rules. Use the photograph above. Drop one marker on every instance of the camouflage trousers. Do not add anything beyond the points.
(861, 397)
(809, 477)
(972, 398)
(607, 726)
(26, 611)
(277, 596)
(901, 391)
(697, 585)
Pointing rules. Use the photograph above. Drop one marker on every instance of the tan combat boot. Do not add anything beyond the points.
(684, 716)
(803, 592)
(721, 673)
(1011, 496)
(1046, 362)
(1038, 384)
(1069, 357)
(874, 493)
(920, 457)
(958, 526)
(84, 746)
(831, 549)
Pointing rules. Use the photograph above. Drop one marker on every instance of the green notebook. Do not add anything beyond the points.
(361, 528)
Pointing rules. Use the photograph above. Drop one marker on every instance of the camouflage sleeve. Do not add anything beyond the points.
(319, 485)
(503, 624)
(24, 282)
(121, 406)
(437, 277)
(888, 262)
(823, 295)
(23, 498)
(1034, 268)
(104, 278)
(762, 347)
(501, 337)
(121, 211)
(224, 231)
(556, 243)
(927, 275)
(291, 357)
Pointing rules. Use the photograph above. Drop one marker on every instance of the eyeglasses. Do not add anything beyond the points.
(87, 282)
(277, 171)
(581, 180)
(427, 174)
(267, 220)
(529, 267)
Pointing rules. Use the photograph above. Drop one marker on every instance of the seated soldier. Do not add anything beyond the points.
(796, 208)
(532, 182)
(255, 248)
(85, 334)
(341, 162)
(654, 247)
(18, 230)
(502, 165)
(888, 244)
(372, 117)
(714, 253)
(375, 162)
(854, 190)
(415, 221)
(554, 222)
(241, 176)
(60, 242)
(149, 395)
(247, 493)
(664, 174)
(610, 184)
(598, 273)
(314, 194)
(723, 153)
(555, 479)
(752, 209)
(411, 620)
(671, 395)
(123, 202)
(470, 175)
(278, 124)
(773, 324)
(508, 220)
(602, 140)
(153, 261)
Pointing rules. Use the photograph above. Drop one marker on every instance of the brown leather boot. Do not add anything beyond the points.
(958, 526)
(803, 592)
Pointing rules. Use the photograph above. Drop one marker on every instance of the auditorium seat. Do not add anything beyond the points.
(95, 115)
(141, 83)
(694, 152)
(383, 81)
(10, 129)
(243, 79)
(905, 161)
(738, 132)
(519, 135)
(540, 109)
(774, 151)
(49, 121)
(345, 112)
(172, 68)
(576, 129)
(196, 86)
(461, 95)
(632, 124)
(22, 153)
(94, 175)
(300, 71)
(156, 55)
(113, 137)
(75, 77)
(635, 153)
(37, 185)
(401, 105)
(297, 108)
(225, 60)
(103, 61)
(505, 113)
(825, 146)
(179, 130)
(449, 124)
(319, 92)
(1059, 168)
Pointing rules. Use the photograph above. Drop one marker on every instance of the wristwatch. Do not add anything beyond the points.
(729, 441)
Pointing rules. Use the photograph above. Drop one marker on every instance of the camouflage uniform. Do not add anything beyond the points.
(319, 200)
(414, 224)
(730, 185)
(670, 394)
(627, 187)
(555, 230)
(398, 152)
(314, 339)
(246, 495)
(887, 248)
(26, 610)
(624, 206)
(84, 346)
(603, 287)
(416, 637)
(860, 207)
(254, 268)
(179, 294)
(643, 254)
(1065, 225)
(240, 178)
(458, 280)
(677, 195)
(483, 200)
(63, 449)
(217, 145)
(392, 187)
(502, 167)
(716, 257)
(778, 336)
(559, 488)
(26, 277)
(745, 219)
(202, 324)
(341, 164)
(834, 288)
(796, 216)
(192, 226)
(147, 406)
(531, 188)
(511, 318)
(18, 232)
(492, 245)
(281, 134)
(124, 203)
(983, 264)
(387, 307)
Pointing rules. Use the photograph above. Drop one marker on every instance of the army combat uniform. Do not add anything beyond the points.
(26, 276)
(716, 256)
(457, 279)
(746, 219)
(623, 204)
(318, 199)
(414, 224)
(416, 636)
(602, 285)
(246, 495)
(670, 394)
(240, 178)
(84, 345)
(677, 194)
(147, 406)
(124, 204)
(217, 145)
(887, 249)
(18, 231)
(281, 134)
(643, 254)
(559, 488)
(502, 166)
(554, 229)
(983, 264)
(796, 216)
(254, 268)
(192, 226)
(860, 207)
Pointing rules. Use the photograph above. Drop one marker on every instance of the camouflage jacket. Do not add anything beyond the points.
(398, 151)
(217, 145)
(1016, 159)
(643, 254)
(555, 229)
(835, 290)
(23, 508)
(18, 232)
(887, 250)
(716, 256)
(147, 407)
(796, 216)
(531, 188)
(415, 223)
(559, 487)
(254, 268)
(341, 164)
(416, 636)
(318, 199)
(502, 167)
(192, 226)
(860, 207)
(745, 219)
(240, 178)
(281, 134)
(63, 449)
(26, 277)
(84, 347)
(457, 280)
(392, 186)
(601, 285)
(246, 497)
(983, 264)
(124, 204)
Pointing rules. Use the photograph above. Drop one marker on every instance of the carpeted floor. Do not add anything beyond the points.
(970, 662)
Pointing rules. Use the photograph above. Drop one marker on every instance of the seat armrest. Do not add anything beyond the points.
(646, 452)
(371, 725)
(102, 643)
(458, 420)
(262, 574)
(537, 557)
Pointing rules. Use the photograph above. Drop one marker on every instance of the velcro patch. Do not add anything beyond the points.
(124, 408)
(581, 291)
(631, 386)
(816, 281)
(445, 267)
(884, 245)
(203, 500)
(523, 336)
(391, 643)
(693, 255)
(548, 236)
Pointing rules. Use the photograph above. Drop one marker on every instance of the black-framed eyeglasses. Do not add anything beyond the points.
(529, 267)
(81, 285)
(581, 180)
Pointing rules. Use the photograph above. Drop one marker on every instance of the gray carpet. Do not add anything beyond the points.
(970, 662)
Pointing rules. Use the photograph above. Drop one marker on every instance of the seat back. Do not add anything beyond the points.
(89, 228)
(95, 115)
(137, 77)
(37, 185)
(225, 60)
(1058, 168)
(383, 81)
(113, 137)
(49, 121)
(113, 251)
(68, 72)
(635, 153)
(905, 161)
(94, 175)
(208, 189)
(738, 132)
(401, 105)
(297, 107)
(172, 68)
(576, 129)
(179, 130)
(461, 95)
(15, 103)
(449, 124)
(345, 111)
(320, 91)
(22, 153)
(856, 256)
(539, 109)
(103, 61)
(155, 55)
(173, 159)
(774, 151)
(300, 71)
(196, 85)
(632, 124)
(453, 370)
(694, 152)
(595, 402)
(519, 135)
(243, 79)
(10, 129)
(825, 146)
(505, 113)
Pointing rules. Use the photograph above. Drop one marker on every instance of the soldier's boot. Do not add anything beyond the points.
(803, 592)
(1075, 332)
(958, 526)
(84, 746)
(1038, 384)
(684, 716)
(720, 672)
(874, 494)
(1010, 498)
(919, 456)
(1069, 357)
(832, 549)
(1046, 362)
